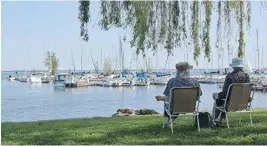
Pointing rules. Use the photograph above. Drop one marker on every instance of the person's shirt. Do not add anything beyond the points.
(237, 76)
(181, 82)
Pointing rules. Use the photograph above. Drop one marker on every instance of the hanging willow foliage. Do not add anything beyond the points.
(84, 17)
(175, 13)
(195, 30)
(169, 40)
(248, 14)
(241, 31)
(206, 30)
(218, 33)
(156, 23)
(184, 12)
(227, 25)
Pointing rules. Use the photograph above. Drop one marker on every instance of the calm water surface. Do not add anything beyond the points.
(32, 102)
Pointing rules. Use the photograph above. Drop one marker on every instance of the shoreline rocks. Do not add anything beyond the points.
(131, 112)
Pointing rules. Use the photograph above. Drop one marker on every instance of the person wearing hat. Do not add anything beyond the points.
(236, 76)
(182, 79)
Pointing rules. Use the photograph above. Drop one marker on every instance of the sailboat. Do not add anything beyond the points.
(24, 78)
(39, 77)
(161, 78)
(141, 79)
(116, 80)
(248, 68)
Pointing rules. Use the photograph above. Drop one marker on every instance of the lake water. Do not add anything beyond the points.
(32, 102)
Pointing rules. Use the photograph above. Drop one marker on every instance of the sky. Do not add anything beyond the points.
(37, 25)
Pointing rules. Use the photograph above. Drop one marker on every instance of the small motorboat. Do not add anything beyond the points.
(24, 79)
(35, 79)
(11, 78)
(112, 83)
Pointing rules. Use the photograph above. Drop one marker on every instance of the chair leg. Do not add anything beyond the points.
(250, 118)
(193, 120)
(171, 125)
(226, 116)
(198, 123)
(241, 114)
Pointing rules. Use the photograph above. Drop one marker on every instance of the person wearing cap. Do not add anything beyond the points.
(236, 76)
(182, 79)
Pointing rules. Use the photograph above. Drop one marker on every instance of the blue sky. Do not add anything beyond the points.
(40, 24)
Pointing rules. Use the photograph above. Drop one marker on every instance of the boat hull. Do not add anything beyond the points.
(24, 79)
(35, 80)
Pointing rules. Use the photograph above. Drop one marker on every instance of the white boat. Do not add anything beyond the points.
(112, 83)
(212, 79)
(35, 78)
(11, 78)
(161, 80)
(24, 79)
(141, 82)
(127, 82)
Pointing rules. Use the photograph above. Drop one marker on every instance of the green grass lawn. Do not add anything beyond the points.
(135, 130)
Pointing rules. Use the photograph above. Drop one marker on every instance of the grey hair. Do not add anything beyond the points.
(183, 73)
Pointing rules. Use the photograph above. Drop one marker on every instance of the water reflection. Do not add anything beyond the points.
(60, 89)
(33, 102)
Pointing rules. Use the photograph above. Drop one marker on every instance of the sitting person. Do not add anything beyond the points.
(182, 79)
(236, 76)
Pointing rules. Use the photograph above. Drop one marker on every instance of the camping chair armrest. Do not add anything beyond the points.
(250, 99)
(166, 102)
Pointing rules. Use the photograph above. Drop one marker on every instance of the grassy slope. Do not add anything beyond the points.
(135, 130)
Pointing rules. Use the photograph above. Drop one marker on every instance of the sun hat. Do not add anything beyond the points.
(183, 66)
(237, 62)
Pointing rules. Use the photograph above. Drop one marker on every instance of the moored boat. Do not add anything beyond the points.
(163, 80)
(112, 83)
(35, 78)
(24, 79)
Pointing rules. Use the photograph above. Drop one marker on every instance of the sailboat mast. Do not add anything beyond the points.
(212, 61)
(50, 59)
(218, 59)
(157, 60)
(166, 62)
(147, 64)
(255, 59)
(204, 62)
(101, 61)
(122, 60)
(24, 60)
(262, 58)
(112, 60)
(258, 50)
(244, 59)
(131, 61)
(92, 60)
(72, 60)
(81, 57)
(187, 48)
(121, 56)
